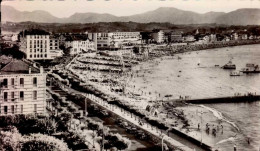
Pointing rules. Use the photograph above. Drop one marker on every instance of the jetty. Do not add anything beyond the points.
(228, 99)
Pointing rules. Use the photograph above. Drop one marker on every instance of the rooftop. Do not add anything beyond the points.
(18, 67)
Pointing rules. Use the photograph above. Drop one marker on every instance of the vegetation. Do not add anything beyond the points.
(33, 32)
(128, 26)
(12, 140)
(12, 51)
(43, 142)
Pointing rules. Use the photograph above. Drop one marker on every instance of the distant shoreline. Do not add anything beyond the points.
(177, 49)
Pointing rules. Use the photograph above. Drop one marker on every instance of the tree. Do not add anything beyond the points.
(9, 140)
(14, 52)
(121, 145)
(43, 142)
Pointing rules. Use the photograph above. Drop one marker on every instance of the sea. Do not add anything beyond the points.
(199, 74)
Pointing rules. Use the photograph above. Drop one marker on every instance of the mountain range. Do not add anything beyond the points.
(245, 16)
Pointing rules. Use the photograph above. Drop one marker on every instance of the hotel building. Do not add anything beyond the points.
(159, 36)
(40, 47)
(115, 39)
(78, 46)
(23, 89)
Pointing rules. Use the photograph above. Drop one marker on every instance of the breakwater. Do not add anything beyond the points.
(231, 99)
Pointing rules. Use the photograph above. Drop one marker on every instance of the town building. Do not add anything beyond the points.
(189, 38)
(175, 36)
(40, 46)
(115, 40)
(23, 89)
(234, 36)
(78, 46)
(159, 36)
(37, 47)
(125, 38)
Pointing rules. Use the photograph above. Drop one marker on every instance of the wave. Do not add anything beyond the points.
(220, 116)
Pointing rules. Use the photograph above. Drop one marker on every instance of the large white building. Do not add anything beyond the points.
(159, 36)
(114, 39)
(23, 89)
(78, 46)
(40, 47)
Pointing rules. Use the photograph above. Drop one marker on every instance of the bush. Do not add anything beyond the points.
(29, 124)
(42, 142)
(9, 140)
(74, 141)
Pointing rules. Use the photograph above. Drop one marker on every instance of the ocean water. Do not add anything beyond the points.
(199, 75)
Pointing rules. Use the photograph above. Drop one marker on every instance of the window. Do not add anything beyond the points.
(5, 83)
(21, 95)
(35, 108)
(21, 82)
(30, 56)
(35, 95)
(21, 109)
(12, 96)
(35, 81)
(5, 96)
(5, 109)
(12, 109)
(45, 55)
(12, 82)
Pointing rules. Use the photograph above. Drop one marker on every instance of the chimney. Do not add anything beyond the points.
(41, 69)
(30, 70)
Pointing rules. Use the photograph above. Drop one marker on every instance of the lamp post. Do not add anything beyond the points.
(201, 126)
(86, 113)
(162, 141)
(103, 134)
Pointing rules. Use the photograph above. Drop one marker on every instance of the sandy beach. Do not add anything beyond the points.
(138, 87)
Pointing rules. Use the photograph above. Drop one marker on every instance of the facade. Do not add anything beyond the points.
(176, 36)
(78, 46)
(189, 38)
(158, 36)
(114, 39)
(23, 89)
(121, 38)
(234, 36)
(37, 47)
(40, 47)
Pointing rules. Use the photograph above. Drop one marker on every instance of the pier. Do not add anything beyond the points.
(228, 99)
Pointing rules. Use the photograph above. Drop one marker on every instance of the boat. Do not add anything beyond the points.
(251, 68)
(235, 73)
(229, 65)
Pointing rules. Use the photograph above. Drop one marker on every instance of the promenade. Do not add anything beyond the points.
(185, 145)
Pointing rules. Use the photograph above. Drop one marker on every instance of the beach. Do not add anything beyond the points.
(156, 80)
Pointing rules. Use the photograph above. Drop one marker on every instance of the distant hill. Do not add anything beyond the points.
(11, 14)
(173, 15)
(162, 14)
(240, 17)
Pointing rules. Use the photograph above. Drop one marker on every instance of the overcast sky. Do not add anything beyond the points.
(65, 8)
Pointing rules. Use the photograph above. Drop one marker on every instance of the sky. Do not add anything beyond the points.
(66, 8)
